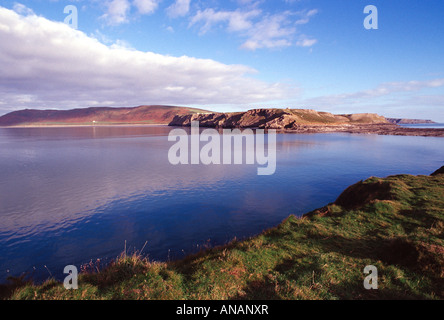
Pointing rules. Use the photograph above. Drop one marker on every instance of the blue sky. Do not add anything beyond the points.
(225, 55)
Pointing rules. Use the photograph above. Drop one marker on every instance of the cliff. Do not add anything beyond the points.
(289, 119)
(303, 121)
(98, 116)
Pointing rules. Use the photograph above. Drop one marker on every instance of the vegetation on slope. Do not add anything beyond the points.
(96, 116)
(395, 224)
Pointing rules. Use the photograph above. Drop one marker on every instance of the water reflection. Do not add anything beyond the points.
(68, 195)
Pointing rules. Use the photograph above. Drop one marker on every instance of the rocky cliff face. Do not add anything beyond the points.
(303, 121)
(288, 119)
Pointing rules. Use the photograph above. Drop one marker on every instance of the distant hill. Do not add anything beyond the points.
(98, 116)
(409, 121)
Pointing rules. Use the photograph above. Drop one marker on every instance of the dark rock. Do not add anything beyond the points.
(439, 171)
(363, 193)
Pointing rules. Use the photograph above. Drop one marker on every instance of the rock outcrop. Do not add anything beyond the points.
(302, 121)
(276, 119)
(439, 171)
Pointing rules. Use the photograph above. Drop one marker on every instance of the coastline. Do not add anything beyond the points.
(376, 129)
(295, 121)
(303, 121)
(88, 126)
(366, 129)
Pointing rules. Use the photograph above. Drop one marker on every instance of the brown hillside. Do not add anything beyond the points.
(137, 115)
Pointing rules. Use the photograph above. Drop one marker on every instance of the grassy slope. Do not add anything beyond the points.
(396, 224)
(102, 116)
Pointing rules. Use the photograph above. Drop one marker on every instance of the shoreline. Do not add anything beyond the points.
(327, 249)
(376, 129)
(87, 126)
(303, 121)
(364, 129)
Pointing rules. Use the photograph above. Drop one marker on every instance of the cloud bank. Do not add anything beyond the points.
(46, 64)
(391, 99)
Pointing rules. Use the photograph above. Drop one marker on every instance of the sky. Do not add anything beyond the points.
(230, 55)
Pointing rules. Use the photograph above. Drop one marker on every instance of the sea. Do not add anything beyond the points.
(75, 195)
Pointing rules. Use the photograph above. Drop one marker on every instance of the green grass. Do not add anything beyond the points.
(397, 225)
(313, 118)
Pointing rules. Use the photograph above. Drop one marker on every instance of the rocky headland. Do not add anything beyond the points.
(303, 121)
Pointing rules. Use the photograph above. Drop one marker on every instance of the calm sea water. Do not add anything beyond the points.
(72, 195)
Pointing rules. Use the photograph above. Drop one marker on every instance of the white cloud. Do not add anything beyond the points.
(396, 99)
(117, 12)
(46, 64)
(305, 16)
(388, 88)
(306, 42)
(146, 6)
(236, 20)
(22, 9)
(258, 29)
(179, 8)
(271, 32)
